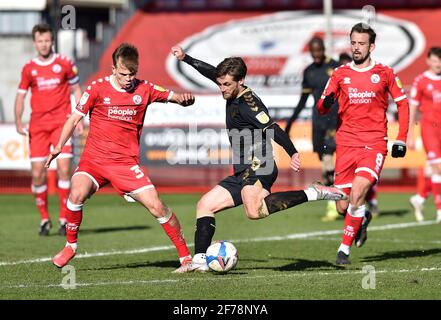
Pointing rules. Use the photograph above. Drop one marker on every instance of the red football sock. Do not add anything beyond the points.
(436, 190)
(353, 222)
(173, 229)
(40, 194)
(74, 216)
(63, 194)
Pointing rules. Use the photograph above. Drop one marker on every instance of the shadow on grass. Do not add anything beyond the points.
(296, 265)
(402, 254)
(398, 213)
(113, 229)
(136, 265)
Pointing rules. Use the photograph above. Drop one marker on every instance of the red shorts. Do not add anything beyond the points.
(125, 178)
(41, 139)
(358, 161)
(431, 136)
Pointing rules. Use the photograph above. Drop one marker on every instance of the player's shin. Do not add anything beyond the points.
(63, 194)
(205, 228)
(74, 216)
(353, 220)
(279, 201)
(40, 194)
(172, 228)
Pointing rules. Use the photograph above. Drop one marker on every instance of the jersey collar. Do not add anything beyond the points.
(243, 92)
(45, 63)
(432, 76)
(369, 67)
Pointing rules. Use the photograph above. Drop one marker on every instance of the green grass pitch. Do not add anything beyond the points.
(124, 254)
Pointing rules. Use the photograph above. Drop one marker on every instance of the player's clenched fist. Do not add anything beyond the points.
(178, 52)
(185, 99)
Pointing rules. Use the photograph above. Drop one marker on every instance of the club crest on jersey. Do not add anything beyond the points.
(347, 80)
(56, 68)
(137, 99)
(375, 78)
(430, 87)
(84, 98)
(262, 117)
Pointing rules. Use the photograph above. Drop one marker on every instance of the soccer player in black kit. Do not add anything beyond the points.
(315, 77)
(250, 130)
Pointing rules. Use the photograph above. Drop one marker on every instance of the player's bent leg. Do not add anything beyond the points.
(149, 198)
(252, 197)
(82, 187)
(216, 200)
(354, 218)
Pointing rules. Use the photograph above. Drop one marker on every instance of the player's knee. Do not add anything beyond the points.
(203, 206)
(77, 196)
(38, 177)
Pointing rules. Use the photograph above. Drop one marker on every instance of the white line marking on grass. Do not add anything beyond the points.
(215, 278)
(274, 238)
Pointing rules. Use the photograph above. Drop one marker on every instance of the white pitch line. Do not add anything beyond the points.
(230, 278)
(259, 239)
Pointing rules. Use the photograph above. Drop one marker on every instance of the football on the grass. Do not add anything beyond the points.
(221, 256)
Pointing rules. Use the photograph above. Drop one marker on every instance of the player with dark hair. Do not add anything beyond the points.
(315, 77)
(362, 89)
(426, 100)
(51, 77)
(117, 106)
(250, 130)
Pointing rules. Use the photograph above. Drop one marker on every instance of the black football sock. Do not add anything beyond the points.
(279, 201)
(205, 228)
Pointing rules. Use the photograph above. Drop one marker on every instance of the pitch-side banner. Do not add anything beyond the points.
(196, 135)
(14, 150)
(274, 44)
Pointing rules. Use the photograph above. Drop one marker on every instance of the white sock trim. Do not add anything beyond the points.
(73, 245)
(64, 184)
(39, 189)
(73, 207)
(165, 219)
(346, 249)
(311, 194)
(436, 178)
(358, 213)
(181, 259)
(420, 199)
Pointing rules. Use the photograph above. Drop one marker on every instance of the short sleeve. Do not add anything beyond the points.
(416, 92)
(331, 86)
(87, 100)
(72, 72)
(159, 94)
(25, 81)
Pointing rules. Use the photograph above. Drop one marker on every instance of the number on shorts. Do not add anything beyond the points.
(378, 161)
(138, 172)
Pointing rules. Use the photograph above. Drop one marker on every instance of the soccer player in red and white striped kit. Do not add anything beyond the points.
(362, 88)
(117, 106)
(426, 99)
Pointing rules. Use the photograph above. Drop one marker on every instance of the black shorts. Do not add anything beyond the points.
(248, 177)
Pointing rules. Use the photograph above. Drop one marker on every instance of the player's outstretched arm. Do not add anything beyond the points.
(183, 99)
(207, 70)
(66, 133)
